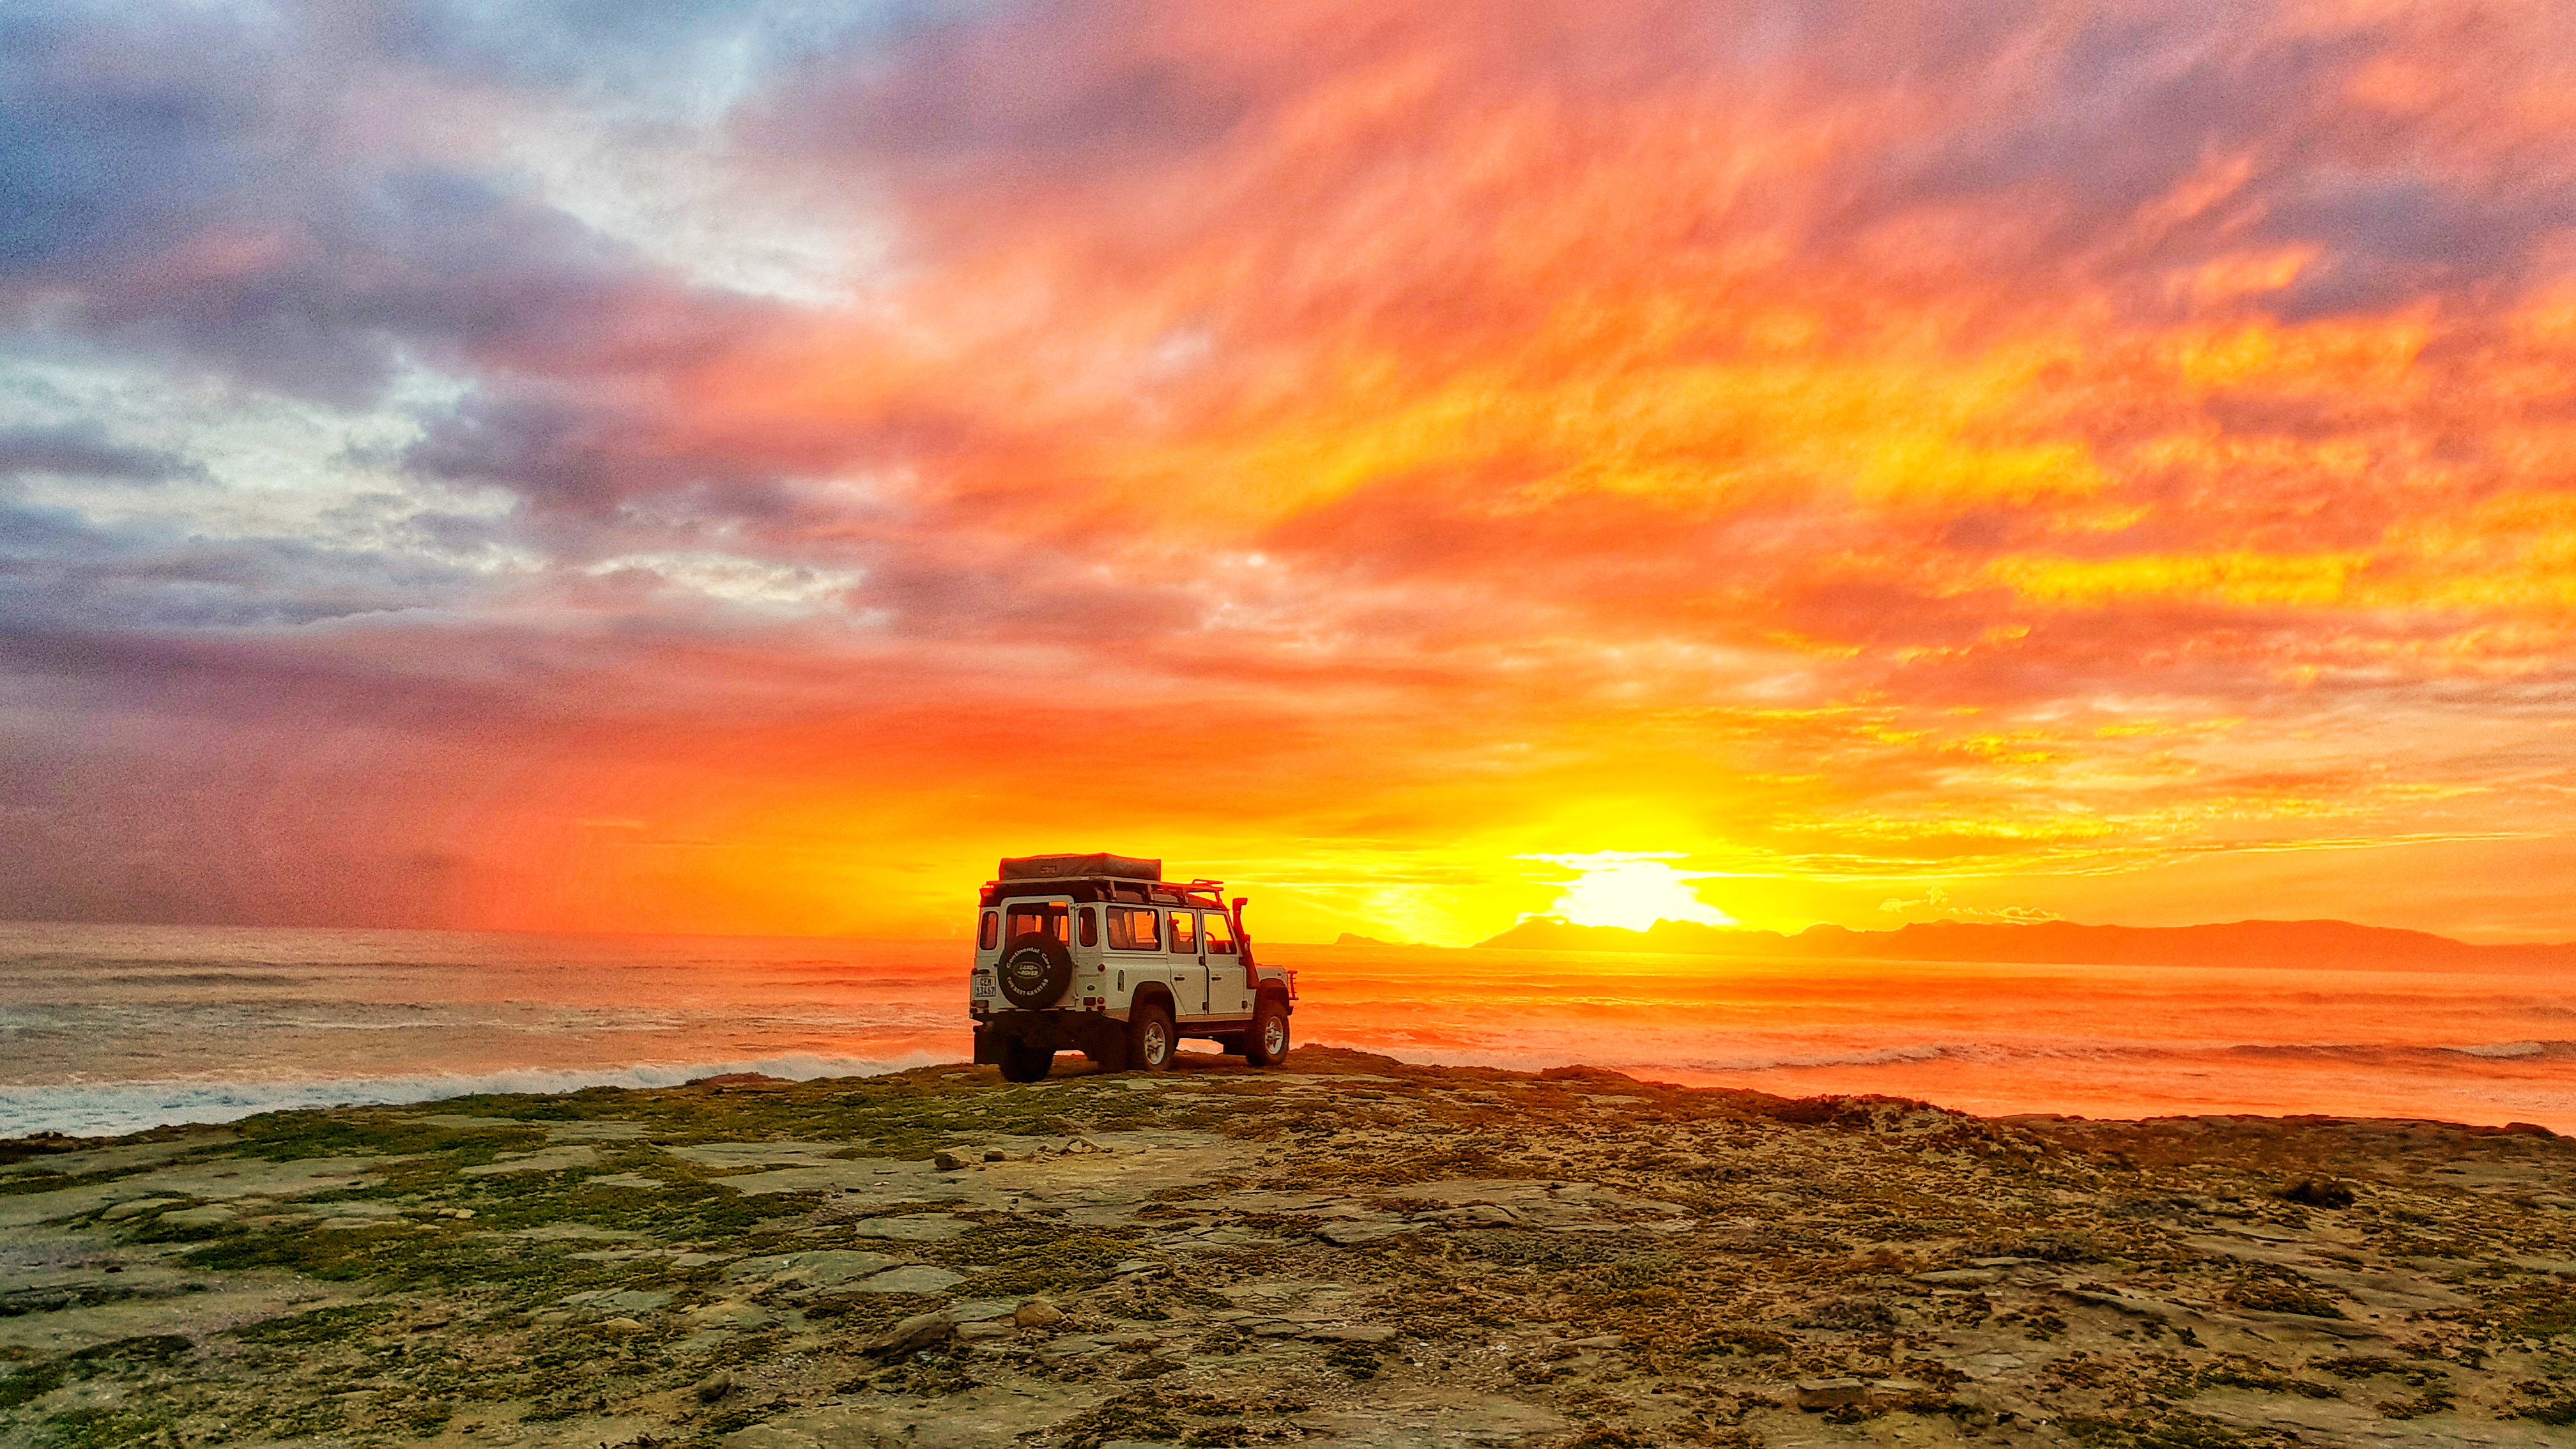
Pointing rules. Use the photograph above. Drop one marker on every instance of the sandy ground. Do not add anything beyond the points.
(1344, 1252)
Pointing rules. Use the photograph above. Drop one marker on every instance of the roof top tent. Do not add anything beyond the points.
(1102, 877)
(1079, 867)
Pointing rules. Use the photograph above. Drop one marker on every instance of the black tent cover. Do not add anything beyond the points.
(1070, 867)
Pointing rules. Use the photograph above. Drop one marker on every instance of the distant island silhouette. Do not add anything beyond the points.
(2064, 943)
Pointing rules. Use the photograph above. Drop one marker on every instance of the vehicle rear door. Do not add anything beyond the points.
(1189, 964)
(1044, 918)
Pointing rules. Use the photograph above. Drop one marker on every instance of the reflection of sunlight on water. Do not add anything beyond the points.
(122, 1022)
(2103, 1041)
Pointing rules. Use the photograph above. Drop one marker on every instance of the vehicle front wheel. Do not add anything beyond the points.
(1267, 1046)
(1150, 1037)
(1025, 1062)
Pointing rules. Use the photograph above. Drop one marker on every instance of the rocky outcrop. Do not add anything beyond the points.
(1350, 1252)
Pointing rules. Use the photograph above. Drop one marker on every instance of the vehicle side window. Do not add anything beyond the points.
(1185, 934)
(1089, 927)
(1135, 930)
(1220, 934)
(992, 931)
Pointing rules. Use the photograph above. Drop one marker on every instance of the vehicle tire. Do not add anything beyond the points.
(1035, 970)
(1025, 1061)
(1267, 1046)
(1109, 1052)
(1151, 1037)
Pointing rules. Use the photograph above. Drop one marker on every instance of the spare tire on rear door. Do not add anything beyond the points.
(1035, 970)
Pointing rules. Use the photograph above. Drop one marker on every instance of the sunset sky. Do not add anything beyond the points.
(618, 466)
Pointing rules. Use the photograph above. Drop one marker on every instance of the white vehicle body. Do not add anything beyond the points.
(1086, 953)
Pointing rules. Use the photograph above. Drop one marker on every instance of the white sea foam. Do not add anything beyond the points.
(2503, 1049)
(106, 1108)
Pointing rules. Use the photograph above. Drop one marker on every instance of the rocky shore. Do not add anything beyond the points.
(1346, 1252)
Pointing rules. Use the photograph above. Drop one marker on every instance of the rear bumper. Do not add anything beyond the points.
(1057, 1031)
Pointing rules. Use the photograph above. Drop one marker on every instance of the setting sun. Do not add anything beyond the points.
(1631, 889)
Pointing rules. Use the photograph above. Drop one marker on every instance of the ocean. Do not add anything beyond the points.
(108, 1029)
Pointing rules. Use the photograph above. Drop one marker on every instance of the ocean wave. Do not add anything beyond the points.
(1876, 1057)
(255, 1009)
(2509, 1049)
(199, 1018)
(198, 978)
(156, 968)
(99, 1109)
(2392, 1052)
(2136, 1053)
(1489, 1050)
(1540, 1057)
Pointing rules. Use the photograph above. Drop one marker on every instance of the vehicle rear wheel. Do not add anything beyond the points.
(1024, 1061)
(1150, 1037)
(1268, 1044)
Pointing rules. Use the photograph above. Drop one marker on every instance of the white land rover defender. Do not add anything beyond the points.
(1099, 954)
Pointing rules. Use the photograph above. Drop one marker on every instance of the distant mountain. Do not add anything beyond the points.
(1675, 938)
(1347, 939)
(2238, 943)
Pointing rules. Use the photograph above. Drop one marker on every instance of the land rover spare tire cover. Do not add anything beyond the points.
(1035, 970)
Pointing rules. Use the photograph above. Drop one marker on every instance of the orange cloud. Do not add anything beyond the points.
(1359, 448)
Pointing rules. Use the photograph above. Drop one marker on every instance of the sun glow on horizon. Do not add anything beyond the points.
(1632, 890)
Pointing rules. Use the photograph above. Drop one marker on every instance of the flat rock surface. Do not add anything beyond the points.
(912, 1227)
(552, 1159)
(1347, 1251)
(828, 1265)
